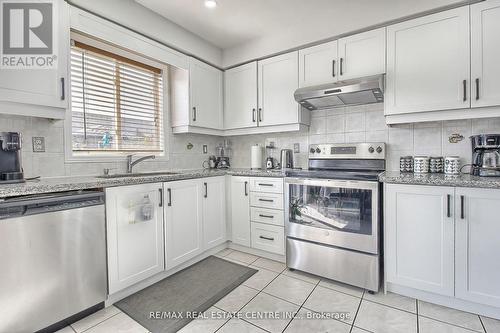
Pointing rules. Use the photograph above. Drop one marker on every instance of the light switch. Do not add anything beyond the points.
(205, 149)
(38, 144)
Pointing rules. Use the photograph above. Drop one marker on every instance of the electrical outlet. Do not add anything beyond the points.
(296, 148)
(205, 149)
(38, 144)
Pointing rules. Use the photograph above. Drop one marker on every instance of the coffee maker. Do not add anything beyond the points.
(11, 170)
(485, 155)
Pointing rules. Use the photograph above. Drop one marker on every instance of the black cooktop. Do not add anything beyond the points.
(368, 175)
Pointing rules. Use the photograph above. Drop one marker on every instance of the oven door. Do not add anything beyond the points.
(333, 212)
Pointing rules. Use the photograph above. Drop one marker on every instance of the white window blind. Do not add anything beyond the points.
(116, 102)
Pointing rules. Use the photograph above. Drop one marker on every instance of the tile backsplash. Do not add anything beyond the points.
(367, 124)
(349, 124)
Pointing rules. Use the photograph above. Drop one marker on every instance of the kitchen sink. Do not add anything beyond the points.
(138, 174)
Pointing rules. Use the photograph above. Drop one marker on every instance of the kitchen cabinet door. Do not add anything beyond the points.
(477, 245)
(206, 95)
(419, 237)
(214, 211)
(43, 87)
(240, 210)
(278, 80)
(183, 221)
(240, 96)
(134, 232)
(318, 64)
(428, 63)
(485, 52)
(362, 54)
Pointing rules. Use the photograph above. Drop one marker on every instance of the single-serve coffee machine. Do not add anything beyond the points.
(11, 170)
(485, 155)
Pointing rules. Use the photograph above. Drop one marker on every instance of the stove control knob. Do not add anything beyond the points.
(318, 150)
(312, 150)
(371, 150)
(379, 149)
(327, 233)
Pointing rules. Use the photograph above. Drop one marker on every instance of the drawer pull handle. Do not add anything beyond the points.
(266, 200)
(267, 238)
(267, 216)
(263, 184)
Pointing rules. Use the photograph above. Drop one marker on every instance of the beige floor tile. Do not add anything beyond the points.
(427, 325)
(235, 261)
(239, 326)
(247, 258)
(451, 316)
(290, 289)
(236, 299)
(95, 318)
(120, 323)
(264, 303)
(342, 287)
(379, 318)
(327, 300)
(223, 253)
(260, 279)
(67, 329)
(271, 265)
(303, 322)
(358, 330)
(301, 276)
(397, 301)
(212, 320)
(491, 325)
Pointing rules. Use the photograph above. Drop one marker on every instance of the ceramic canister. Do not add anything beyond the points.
(452, 165)
(421, 164)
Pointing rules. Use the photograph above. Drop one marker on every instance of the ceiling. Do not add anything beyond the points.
(235, 22)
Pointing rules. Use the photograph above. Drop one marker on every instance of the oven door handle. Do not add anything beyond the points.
(354, 184)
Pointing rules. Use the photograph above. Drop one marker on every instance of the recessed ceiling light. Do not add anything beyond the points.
(210, 3)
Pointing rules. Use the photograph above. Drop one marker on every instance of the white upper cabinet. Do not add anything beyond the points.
(214, 211)
(318, 64)
(477, 245)
(240, 97)
(419, 237)
(485, 53)
(206, 95)
(362, 54)
(428, 63)
(48, 88)
(278, 80)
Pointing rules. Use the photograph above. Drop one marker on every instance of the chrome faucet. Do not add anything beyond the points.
(131, 164)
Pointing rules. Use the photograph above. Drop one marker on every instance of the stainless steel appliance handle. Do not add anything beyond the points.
(52, 198)
(266, 216)
(477, 89)
(267, 238)
(448, 205)
(161, 197)
(246, 189)
(206, 190)
(169, 191)
(464, 83)
(462, 207)
(362, 185)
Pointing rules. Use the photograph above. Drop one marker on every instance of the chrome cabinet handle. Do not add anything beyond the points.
(161, 197)
(341, 66)
(260, 114)
(448, 209)
(266, 216)
(263, 184)
(333, 68)
(267, 238)
(462, 207)
(464, 82)
(63, 90)
(206, 190)
(253, 115)
(266, 200)
(246, 189)
(169, 197)
(477, 89)
(194, 113)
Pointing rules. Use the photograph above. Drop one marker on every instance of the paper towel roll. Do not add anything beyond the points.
(256, 157)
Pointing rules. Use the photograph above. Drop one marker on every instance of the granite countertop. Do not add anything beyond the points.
(73, 183)
(440, 179)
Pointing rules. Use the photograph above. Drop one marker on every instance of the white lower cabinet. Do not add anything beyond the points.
(134, 232)
(444, 240)
(214, 211)
(240, 210)
(477, 245)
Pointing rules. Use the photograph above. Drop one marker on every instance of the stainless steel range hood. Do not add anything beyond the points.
(364, 90)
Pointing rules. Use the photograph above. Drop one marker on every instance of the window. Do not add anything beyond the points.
(116, 103)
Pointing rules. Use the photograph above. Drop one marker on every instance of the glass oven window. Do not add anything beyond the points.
(342, 209)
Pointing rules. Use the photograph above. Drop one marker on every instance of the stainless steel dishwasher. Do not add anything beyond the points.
(52, 259)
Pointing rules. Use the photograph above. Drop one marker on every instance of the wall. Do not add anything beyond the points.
(367, 124)
(134, 16)
(51, 162)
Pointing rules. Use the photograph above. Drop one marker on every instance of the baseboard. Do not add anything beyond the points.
(256, 252)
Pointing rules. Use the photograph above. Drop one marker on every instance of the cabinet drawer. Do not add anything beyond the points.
(269, 185)
(267, 237)
(268, 216)
(266, 200)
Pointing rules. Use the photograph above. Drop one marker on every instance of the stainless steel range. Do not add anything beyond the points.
(333, 214)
